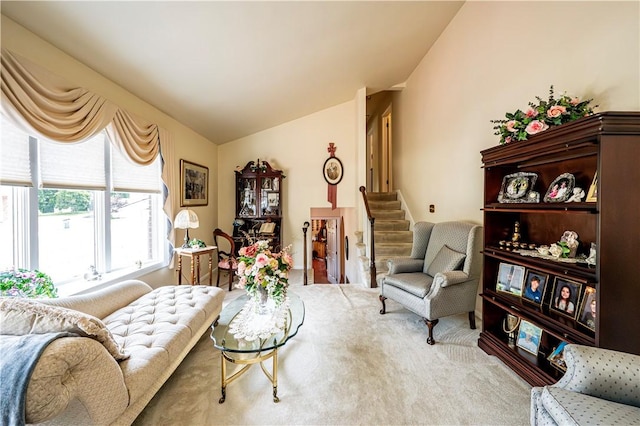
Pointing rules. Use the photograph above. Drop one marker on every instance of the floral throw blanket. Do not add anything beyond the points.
(19, 357)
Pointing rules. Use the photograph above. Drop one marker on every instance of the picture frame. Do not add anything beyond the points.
(516, 188)
(556, 358)
(565, 302)
(529, 337)
(194, 184)
(535, 284)
(592, 195)
(561, 189)
(588, 312)
(332, 170)
(273, 199)
(510, 278)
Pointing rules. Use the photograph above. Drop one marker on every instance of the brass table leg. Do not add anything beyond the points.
(246, 363)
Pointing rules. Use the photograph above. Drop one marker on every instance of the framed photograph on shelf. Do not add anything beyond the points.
(565, 297)
(529, 337)
(592, 195)
(516, 188)
(510, 278)
(557, 357)
(194, 184)
(534, 285)
(588, 313)
(560, 189)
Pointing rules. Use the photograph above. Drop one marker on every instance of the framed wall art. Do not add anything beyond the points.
(565, 297)
(194, 184)
(332, 170)
(510, 278)
(560, 189)
(529, 337)
(518, 188)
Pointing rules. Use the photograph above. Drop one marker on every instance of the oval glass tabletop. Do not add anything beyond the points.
(224, 339)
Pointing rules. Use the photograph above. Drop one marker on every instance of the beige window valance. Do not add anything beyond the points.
(36, 100)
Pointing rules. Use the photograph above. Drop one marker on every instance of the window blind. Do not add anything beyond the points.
(73, 165)
(130, 177)
(15, 161)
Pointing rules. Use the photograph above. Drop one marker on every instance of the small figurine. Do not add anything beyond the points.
(578, 195)
(516, 232)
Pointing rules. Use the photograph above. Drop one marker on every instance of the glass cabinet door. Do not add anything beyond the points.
(247, 197)
(270, 196)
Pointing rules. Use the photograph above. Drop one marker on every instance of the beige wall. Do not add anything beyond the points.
(299, 149)
(495, 57)
(188, 144)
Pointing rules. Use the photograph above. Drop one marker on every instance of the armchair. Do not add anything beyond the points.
(441, 276)
(226, 259)
(600, 386)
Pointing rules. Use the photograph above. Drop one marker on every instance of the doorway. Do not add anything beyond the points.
(325, 237)
(379, 142)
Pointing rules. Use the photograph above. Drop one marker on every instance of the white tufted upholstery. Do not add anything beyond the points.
(600, 387)
(76, 381)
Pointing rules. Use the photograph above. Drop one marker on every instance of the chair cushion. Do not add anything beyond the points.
(416, 283)
(446, 260)
(573, 408)
(228, 264)
(26, 316)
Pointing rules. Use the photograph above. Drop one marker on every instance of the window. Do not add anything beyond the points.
(65, 207)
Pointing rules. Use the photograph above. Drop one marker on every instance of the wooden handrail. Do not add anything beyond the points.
(372, 221)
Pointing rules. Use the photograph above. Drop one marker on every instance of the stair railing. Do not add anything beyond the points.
(372, 220)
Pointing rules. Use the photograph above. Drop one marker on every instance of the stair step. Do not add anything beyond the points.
(393, 236)
(385, 205)
(399, 249)
(391, 225)
(382, 196)
(388, 214)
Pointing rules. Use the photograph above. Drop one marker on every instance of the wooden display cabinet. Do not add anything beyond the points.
(609, 144)
(258, 204)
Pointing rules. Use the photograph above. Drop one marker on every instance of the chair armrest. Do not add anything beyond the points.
(401, 265)
(76, 368)
(602, 373)
(447, 279)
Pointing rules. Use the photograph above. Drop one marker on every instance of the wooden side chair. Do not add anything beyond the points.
(226, 257)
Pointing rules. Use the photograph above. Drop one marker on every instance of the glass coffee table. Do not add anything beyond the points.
(245, 352)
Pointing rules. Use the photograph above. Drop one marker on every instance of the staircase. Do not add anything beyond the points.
(391, 233)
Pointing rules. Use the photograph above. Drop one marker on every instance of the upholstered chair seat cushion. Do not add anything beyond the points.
(416, 283)
(228, 263)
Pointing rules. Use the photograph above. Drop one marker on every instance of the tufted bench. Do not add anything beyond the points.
(156, 329)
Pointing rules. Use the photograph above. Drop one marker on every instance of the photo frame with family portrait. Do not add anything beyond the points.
(561, 189)
(516, 188)
(565, 297)
(529, 337)
(588, 312)
(535, 283)
(556, 358)
(510, 278)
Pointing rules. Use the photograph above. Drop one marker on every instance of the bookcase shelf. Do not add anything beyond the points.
(607, 145)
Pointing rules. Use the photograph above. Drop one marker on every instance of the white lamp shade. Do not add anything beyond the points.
(186, 219)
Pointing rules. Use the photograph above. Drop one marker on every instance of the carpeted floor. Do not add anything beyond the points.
(350, 365)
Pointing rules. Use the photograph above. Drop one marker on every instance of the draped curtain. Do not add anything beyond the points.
(36, 100)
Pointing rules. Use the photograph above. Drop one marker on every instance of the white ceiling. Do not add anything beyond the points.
(228, 69)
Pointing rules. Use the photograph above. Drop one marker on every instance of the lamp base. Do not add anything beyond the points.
(186, 239)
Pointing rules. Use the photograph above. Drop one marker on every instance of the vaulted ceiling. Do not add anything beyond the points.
(228, 69)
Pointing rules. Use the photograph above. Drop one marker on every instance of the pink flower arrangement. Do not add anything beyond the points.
(259, 267)
(518, 126)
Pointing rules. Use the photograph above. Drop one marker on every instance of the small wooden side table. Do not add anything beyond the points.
(194, 254)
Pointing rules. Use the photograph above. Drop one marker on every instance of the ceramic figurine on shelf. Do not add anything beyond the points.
(578, 195)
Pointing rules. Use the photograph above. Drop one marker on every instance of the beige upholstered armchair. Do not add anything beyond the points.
(441, 276)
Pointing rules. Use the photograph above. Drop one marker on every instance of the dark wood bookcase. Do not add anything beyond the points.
(258, 204)
(607, 143)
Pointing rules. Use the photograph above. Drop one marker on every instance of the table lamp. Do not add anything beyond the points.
(186, 219)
